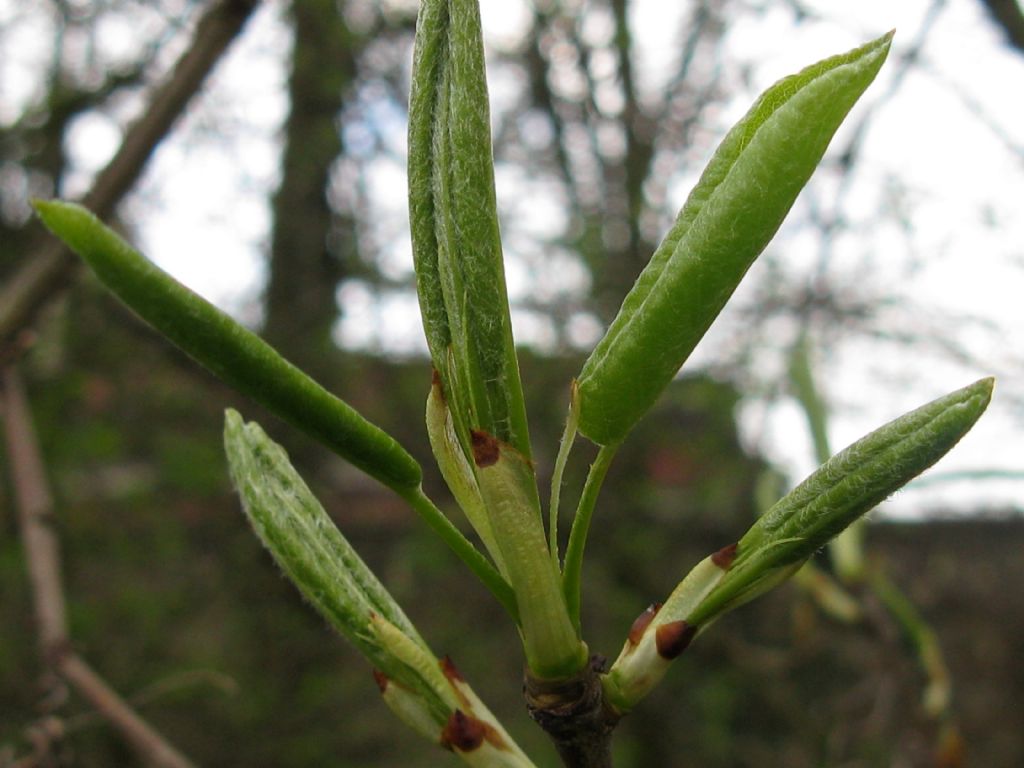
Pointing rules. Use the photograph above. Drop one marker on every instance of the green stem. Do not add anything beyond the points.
(572, 571)
(464, 549)
(564, 448)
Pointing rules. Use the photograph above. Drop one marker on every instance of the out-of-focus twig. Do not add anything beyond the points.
(149, 743)
(42, 557)
(1007, 14)
(47, 272)
(35, 518)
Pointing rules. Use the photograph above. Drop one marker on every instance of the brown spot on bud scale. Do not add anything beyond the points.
(724, 557)
(456, 680)
(450, 671)
(463, 732)
(486, 448)
(673, 638)
(643, 621)
(381, 679)
(437, 386)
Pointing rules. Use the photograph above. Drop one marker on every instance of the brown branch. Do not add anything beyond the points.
(42, 556)
(154, 748)
(48, 272)
(35, 517)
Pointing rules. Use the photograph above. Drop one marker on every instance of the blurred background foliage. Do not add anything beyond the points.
(169, 593)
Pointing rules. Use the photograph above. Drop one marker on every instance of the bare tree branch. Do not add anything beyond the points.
(48, 272)
(154, 748)
(35, 517)
(42, 556)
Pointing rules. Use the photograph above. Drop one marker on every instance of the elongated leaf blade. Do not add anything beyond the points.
(228, 349)
(850, 484)
(305, 542)
(454, 223)
(740, 201)
(846, 487)
(424, 691)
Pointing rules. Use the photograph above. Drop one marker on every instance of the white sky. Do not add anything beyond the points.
(953, 134)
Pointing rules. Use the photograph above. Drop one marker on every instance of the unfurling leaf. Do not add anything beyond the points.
(846, 487)
(308, 546)
(550, 638)
(425, 692)
(735, 209)
(476, 407)
(460, 274)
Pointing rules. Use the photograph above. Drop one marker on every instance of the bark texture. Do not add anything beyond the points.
(574, 714)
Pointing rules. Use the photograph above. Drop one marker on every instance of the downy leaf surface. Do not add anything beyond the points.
(843, 489)
(846, 487)
(460, 274)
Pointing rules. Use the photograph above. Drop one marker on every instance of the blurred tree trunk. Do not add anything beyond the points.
(311, 245)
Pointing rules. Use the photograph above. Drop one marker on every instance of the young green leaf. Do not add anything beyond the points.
(311, 550)
(478, 408)
(741, 199)
(427, 693)
(847, 486)
(453, 216)
(229, 350)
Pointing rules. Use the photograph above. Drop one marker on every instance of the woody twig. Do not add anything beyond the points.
(42, 557)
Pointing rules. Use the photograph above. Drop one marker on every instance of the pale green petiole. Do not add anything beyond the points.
(572, 570)
(564, 448)
(457, 472)
(550, 639)
(645, 656)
